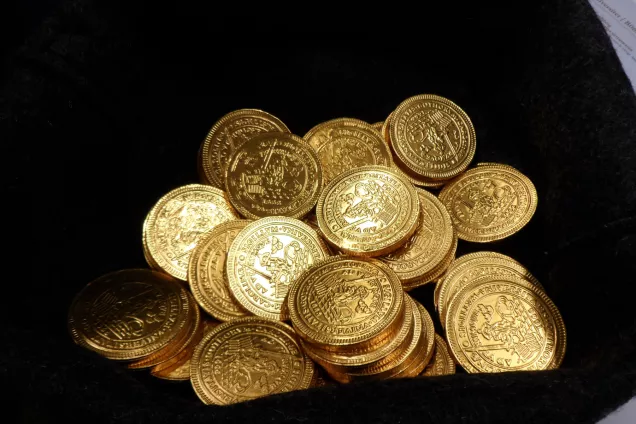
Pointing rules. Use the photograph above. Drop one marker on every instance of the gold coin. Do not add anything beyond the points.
(192, 331)
(470, 267)
(368, 211)
(248, 358)
(378, 126)
(227, 134)
(504, 324)
(343, 144)
(345, 303)
(489, 202)
(266, 257)
(274, 174)
(381, 355)
(129, 314)
(437, 272)
(178, 368)
(207, 274)
(420, 359)
(442, 363)
(386, 129)
(427, 248)
(175, 224)
(432, 137)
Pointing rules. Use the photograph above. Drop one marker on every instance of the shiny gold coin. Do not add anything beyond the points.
(347, 304)
(489, 202)
(420, 359)
(378, 126)
(432, 137)
(192, 332)
(266, 257)
(248, 358)
(427, 248)
(437, 272)
(368, 211)
(381, 355)
(129, 314)
(343, 144)
(274, 174)
(386, 129)
(227, 134)
(505, 324)
(175, 224)
(470, 267)
(207, 273)
(178, 368)
(442, 363)
(417, 180)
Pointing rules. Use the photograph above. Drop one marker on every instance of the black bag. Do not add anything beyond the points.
(103, 108)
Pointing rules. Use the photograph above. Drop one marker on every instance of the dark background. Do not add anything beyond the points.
(103, 105)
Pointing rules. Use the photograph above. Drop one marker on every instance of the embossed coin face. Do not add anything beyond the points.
(490, 202)
(427, 248)
(497, 325)
(274, 174)
(346, 303)
(227, 134)
(432, 136)
(442, 363)
(248, 358)
(266, 257)
(368, 211)
(344, 144)
(129, 314)
(207, 273)
(470, 267)
(175, 224)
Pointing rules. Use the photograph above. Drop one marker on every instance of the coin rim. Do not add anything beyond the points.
(471, 137)
(449, 363)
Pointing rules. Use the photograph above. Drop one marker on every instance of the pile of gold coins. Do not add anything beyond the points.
(288, 266)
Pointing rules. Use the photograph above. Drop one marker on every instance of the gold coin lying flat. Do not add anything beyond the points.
(207, 274)
(129, 314)
(427, 248)
(489, 202)
(227, 134)
(175, 224)
(345, 303)
(248, 358)
(266, 257)
(441, 363)
(274, 174)
(368, 211)
(343, 144)
(432, 137)
(470, 267)
(497, 325)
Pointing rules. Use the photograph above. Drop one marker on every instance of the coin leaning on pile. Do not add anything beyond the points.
(288, 266)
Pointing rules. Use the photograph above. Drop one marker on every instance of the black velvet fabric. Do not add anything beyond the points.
(105, 102)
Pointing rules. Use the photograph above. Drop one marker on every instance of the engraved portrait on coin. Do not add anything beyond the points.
(274, 174)
(343, 144)
(266, 257)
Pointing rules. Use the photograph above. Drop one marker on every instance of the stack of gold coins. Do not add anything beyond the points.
(328, 232)
(143, 317)
(356, 322)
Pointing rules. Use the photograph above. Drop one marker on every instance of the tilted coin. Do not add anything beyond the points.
(505, 324)
(343, 144)
(386, 129)
(274, 174)
(437, 272)
(489, 202)
(368, 211)
(266, 257)
(470, 267)
(207, 272)
(379, 356)
(432, 137)
(427, 248)
(345, 303)
(442, 363)
(227, 134)
(421, 357)
(378, 126)
(416, 180)
(248, 358)
(129, 314)
(175, 224)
